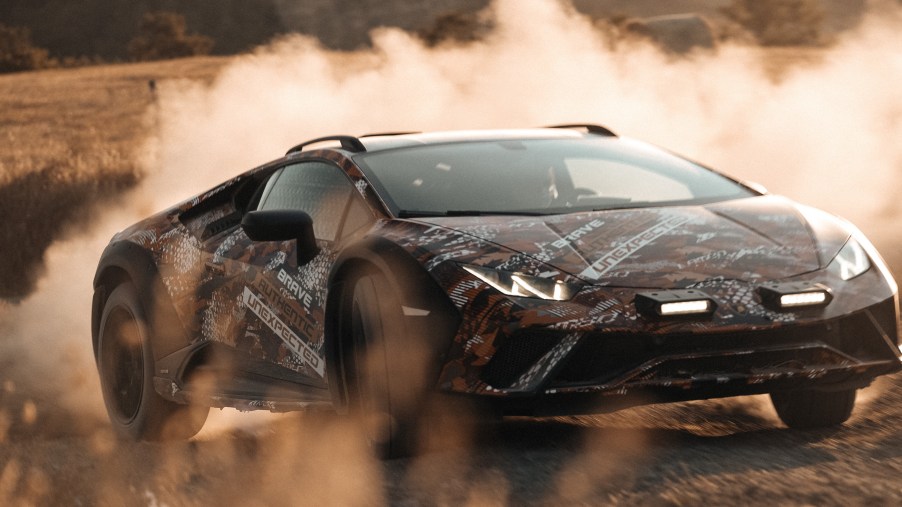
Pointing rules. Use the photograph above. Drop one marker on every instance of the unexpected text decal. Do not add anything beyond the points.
(630, 246)
(292, 341)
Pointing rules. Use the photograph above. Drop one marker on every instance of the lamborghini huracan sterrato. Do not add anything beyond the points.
(564, 270)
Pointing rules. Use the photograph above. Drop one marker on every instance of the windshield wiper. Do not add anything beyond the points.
(465, 213)
(481, 213)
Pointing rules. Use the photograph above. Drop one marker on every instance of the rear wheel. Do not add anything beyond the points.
(813, 409)
(125, 364)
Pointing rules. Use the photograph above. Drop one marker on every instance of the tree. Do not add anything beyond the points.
(163, 35)
(779, 22)
(17, 53)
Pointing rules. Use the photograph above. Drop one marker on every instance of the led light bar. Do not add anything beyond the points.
(675, 304)
(803, 299)
(685, 308)
(794, 295)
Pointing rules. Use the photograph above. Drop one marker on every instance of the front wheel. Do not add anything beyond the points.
(388, 369)
(125, 363)
(813, 409)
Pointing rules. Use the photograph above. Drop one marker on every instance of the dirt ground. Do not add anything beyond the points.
(722, 452)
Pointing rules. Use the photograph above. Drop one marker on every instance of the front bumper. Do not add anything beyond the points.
(595, 352)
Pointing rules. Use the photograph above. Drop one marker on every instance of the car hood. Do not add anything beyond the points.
(753, 239)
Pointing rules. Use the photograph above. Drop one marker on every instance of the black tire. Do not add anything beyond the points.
(804, 409)
(125, 363)
(387, 371)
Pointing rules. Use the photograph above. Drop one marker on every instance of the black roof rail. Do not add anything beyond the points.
(349, 143)
(590, 128)
(377, 134)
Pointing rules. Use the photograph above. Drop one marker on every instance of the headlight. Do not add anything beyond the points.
(518, 284)
(851, 261)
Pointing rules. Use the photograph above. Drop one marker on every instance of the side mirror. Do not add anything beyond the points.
(283, 225)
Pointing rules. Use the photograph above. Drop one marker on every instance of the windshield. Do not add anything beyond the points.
(539, 176)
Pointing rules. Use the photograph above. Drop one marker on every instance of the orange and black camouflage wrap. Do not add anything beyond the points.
(255, 298)
(727, 250)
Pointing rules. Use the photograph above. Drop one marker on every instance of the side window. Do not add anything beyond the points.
(320, 189)
(359, 216)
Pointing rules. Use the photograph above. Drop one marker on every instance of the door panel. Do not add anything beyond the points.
(262, 303)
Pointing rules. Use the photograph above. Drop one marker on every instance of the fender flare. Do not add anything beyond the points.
(123, 261)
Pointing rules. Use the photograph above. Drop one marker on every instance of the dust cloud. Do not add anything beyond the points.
(825, 133)
(46, 353)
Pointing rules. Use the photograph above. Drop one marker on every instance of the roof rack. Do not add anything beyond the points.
(590, 128)
(349, 143)
(378, 134)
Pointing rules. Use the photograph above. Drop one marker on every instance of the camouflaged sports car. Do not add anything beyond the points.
(534, 272)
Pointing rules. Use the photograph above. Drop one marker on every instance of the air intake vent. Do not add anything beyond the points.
(515, 356)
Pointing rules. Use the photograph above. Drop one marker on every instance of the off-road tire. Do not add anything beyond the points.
(813, 409)
(125, 363)
(387, 386)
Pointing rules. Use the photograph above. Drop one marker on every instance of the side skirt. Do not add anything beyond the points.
(216, 375)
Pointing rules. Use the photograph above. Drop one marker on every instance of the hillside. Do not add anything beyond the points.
(239, 25)
(839, 14)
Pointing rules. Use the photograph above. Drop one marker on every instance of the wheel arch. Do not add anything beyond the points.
(415, 287)
(126, 261)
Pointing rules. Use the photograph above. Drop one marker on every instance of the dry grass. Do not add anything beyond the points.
(69, 141)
